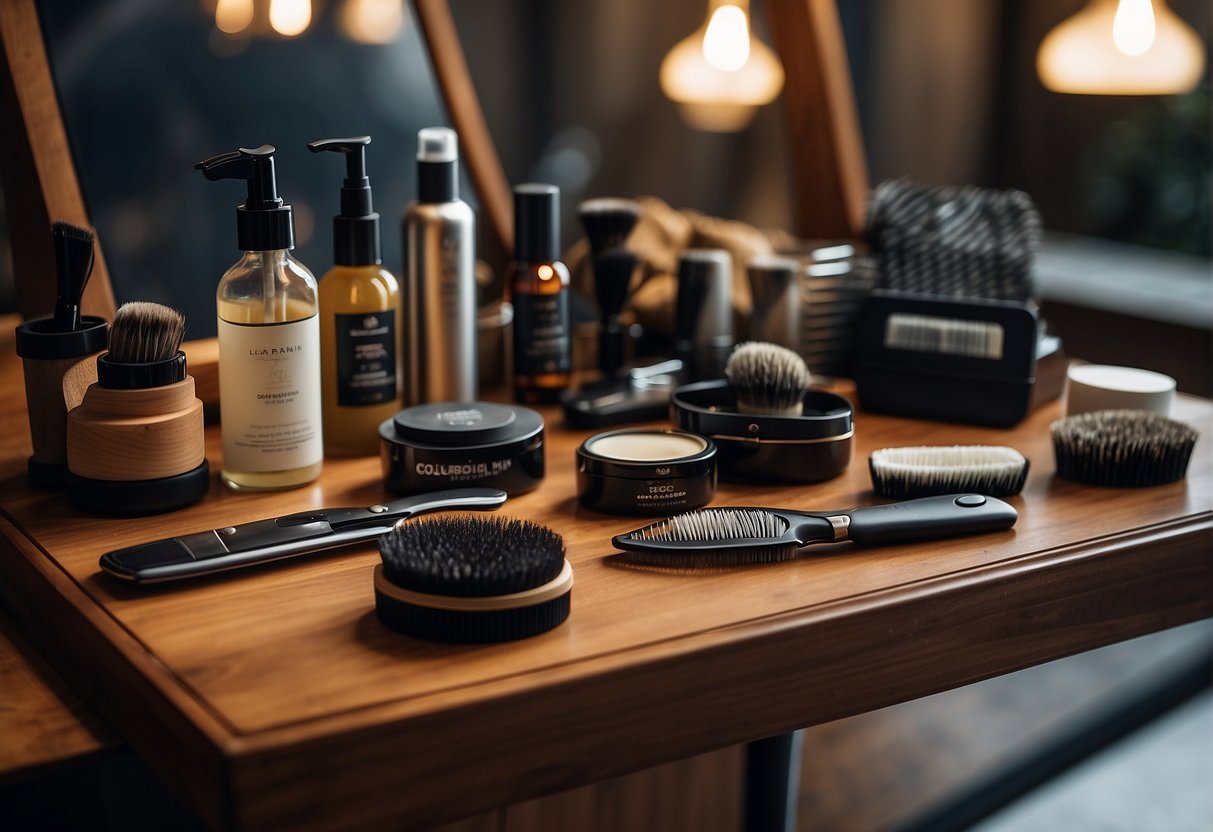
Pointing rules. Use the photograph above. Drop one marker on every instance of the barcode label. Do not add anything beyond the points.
(951, 336)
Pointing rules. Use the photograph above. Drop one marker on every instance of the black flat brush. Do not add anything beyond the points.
(1122, 448)
(734, 536)
(73, 267)
(470, 580)
(607, 223)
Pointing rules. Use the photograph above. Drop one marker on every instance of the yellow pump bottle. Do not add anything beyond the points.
(359, 318)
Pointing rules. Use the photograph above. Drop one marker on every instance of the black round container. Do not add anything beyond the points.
(434, 446)
(135, 498)
(630, 472)
(812, 447)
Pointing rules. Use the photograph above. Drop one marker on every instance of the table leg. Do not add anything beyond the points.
(771, 782)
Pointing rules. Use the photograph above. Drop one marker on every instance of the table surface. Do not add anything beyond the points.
(273, 698)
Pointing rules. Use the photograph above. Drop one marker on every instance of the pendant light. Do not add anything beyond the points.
(1121, 47)
(721, 74)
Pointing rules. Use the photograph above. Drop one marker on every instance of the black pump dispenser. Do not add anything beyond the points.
(263, 222)
(437, 165)
(356, 228)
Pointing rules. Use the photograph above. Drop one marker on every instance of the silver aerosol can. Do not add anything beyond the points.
(439, 292)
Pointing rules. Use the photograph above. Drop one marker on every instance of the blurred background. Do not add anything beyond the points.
(947, 93)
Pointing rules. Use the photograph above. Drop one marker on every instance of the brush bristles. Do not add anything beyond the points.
(904, 473)
(144, 332)
(715, 524)
(768, 379)
(608, 221)
(471, 556)
(712, 525)
(1122, 448)
(67, 234)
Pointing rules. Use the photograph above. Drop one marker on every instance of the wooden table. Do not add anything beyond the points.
(273, 698)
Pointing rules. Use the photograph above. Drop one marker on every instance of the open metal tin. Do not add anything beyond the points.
(812, 447)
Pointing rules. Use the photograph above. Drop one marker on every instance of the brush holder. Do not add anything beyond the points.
(135, 445)
(58, 368)
(812, 447)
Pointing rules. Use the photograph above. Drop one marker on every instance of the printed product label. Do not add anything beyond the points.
(269, 395)
(366, 358)
(541, 334)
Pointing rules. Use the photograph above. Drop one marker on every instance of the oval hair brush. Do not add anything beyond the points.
(735, 536)
(768, 379)
(470, 580)
(922, 471)
(1122, 448)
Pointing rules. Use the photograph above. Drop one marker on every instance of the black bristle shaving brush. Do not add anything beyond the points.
(768, 379)
(1122, 448)
(470, 580)
(58, 355)
(74, 255)
(607, 223)
(135, 444)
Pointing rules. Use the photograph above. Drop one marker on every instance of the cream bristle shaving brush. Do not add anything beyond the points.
(135, 444)
(768, 379)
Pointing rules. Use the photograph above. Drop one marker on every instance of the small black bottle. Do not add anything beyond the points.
(539, 286)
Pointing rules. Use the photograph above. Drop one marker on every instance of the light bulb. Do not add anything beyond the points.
(233, 16)
(1133, 26)
(714, 88)
(372, 21)
(726, 42)
(290, 17)
(1121, 47)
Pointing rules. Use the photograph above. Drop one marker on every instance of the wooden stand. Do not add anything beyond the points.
(53, 386)
(141, 434)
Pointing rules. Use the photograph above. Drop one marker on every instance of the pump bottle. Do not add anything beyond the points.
(439, 231)
(359, 317)
(269, 339)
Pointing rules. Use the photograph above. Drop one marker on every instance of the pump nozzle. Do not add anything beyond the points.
(263, 222)
(356, 190)
(356, 228)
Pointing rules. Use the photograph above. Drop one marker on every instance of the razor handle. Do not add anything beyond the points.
(260, 541)
(928, 518)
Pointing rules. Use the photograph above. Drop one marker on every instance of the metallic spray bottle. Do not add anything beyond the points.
(439, 292)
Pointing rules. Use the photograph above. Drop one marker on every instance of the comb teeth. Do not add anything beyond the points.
(716, 524)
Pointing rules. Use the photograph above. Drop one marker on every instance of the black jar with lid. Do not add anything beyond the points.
(451, 444)
(645, 471)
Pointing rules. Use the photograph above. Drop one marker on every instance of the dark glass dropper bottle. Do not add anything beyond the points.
(539, 287)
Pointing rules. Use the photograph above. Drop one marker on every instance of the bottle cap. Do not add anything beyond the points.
(536, 222)
(356, 228)
(437, 165)
(263, 222)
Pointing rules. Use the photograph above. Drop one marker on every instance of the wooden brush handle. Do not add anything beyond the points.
(129, 435)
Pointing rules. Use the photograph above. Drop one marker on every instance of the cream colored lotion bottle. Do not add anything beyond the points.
(269, 340)
(359, 317)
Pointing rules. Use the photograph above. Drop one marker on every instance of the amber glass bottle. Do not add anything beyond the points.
(539, 290)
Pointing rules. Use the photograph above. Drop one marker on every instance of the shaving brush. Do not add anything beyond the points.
(768, 379)
(135, 444)
(607, 223)
(59, 355)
